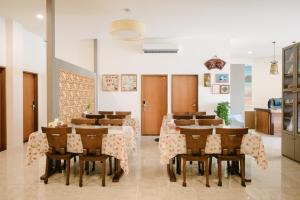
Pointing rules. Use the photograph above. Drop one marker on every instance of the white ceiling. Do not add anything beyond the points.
(248, 24)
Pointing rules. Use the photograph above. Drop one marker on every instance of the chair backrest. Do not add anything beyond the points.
(106, 112)
(210, 122)
(200, 113)
(231, 139)
(83, 121)
(196, 140)
(91, 140)
(184, 122)
(123, 113)
(57, 139)
(116, 116)
(187, 116)
(97, 116)
(205, 116)
(112, 122)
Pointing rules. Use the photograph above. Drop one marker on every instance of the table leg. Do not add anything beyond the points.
(170, 170)
(178, 165)
(118, 172)
(235, 170)
(52, 170)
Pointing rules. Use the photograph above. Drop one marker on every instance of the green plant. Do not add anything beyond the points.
(223, 111)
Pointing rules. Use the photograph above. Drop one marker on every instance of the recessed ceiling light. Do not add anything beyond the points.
(40, 16)
(250, 52)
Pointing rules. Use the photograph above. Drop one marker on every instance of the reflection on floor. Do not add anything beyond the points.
(148, 179)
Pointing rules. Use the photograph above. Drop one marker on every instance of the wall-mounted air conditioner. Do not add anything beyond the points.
(160, 48)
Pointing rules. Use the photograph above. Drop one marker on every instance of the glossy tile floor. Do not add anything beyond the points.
(148, 179)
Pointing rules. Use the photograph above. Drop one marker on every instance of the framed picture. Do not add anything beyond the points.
(207, 80)
(222, 78)
(215, 89)
(128, 82)
(110, 82)
(224, 89)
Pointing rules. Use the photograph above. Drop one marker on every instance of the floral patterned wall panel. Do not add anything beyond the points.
(76, 94)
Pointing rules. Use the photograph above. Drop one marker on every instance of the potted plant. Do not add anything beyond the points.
(222, 111)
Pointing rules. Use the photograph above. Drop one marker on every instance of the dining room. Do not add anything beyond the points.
(149, 100)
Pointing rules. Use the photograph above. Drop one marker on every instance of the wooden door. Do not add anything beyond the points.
(2, 111)
(184, 93)
(30, 112)
(153, 103)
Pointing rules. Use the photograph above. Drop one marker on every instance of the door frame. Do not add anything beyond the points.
(3, 109)
(197, 102)
(141, 100)
(36, 123)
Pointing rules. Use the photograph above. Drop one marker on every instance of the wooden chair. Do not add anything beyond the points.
(123, 113)
(210, 122)
(106, 112)
(184, 122)
(187, 116)
(96, 117)
(200, 113)
(116, 116)
(231, 140)
(195, 147)
(79, 121)
(92, 149)
(205, 116)
(111, 122)
(57, 141)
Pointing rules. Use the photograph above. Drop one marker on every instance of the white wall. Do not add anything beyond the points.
(264, 85)
(77, 52)
(117, 57)
(237, 74)
(24, 52)
(2, 42)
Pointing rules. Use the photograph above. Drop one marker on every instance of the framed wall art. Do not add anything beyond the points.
(224, 89)
(207, 80)
(128, 82)
(215, 89)
(222, 78)
(110, 82)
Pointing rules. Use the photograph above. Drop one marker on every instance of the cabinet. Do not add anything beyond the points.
(291, 102)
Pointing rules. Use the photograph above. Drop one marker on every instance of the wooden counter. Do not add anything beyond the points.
(268, 121)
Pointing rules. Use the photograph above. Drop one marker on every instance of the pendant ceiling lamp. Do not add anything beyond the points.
(215, 63)
(127, 29)
(274, 66)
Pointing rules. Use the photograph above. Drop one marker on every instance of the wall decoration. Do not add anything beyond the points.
(215, 63)
(128, 82)
(224, 89)
(222, 78)
(215, 89)
(76, 92)
(110, 82)
(248, 85)
(207, 80)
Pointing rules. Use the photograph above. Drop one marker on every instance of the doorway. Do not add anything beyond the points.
(30, 102)
(2, 110)
(154, 101)
(184, 93)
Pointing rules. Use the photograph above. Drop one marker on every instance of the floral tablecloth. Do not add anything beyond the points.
(171, 143)
(117, 143)
(134, 123)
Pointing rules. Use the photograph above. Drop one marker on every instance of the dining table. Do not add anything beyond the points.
(172, 143)
(118, 143)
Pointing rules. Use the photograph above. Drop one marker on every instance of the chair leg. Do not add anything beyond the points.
(93, 168)
(110, 166)
(46, 170)
(104, 172)
(87, 167)
(80, 172)
(58, 165)
(210, 165)
(243, 171)
(178, 164)
(67, 171)
(65, 164)
(184, 172)
(220, 172)
(75, 159)
(206, 168)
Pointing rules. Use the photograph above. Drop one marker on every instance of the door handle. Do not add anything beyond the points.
(194, 105)
(33, 106)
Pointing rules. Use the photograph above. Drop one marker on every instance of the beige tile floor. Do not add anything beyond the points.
(148, 179)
